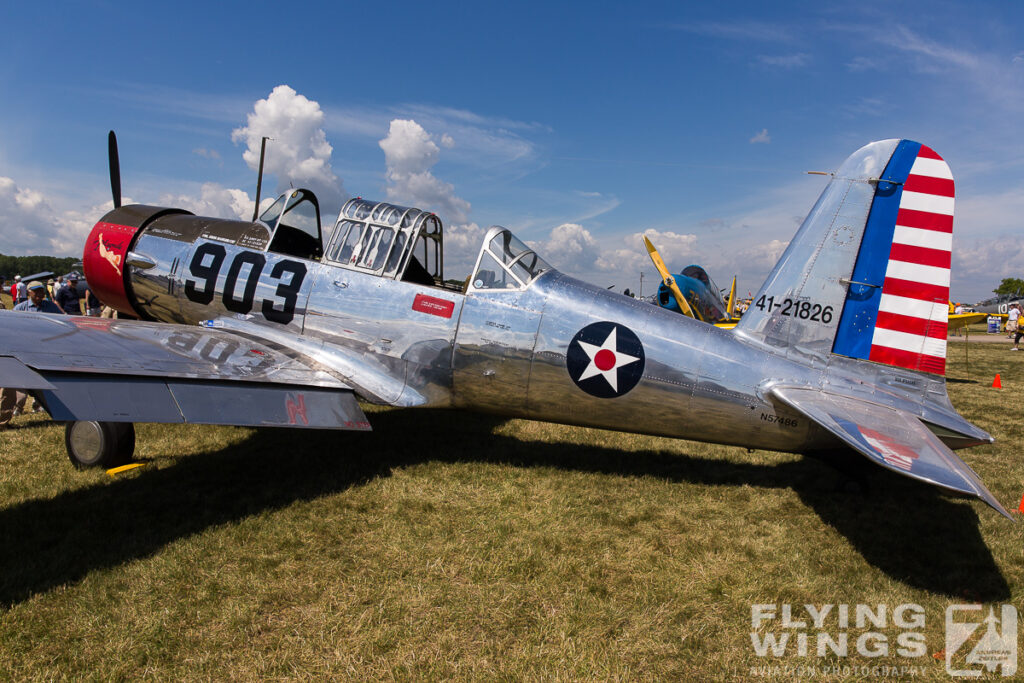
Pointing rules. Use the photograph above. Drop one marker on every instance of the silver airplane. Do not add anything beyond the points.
(268, 323)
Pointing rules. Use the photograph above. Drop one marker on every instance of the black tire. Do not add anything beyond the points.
(99, 444)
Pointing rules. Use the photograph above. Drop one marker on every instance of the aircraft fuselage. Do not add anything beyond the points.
(269, 323)
(509, 352)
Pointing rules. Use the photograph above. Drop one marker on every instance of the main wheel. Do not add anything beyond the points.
(99, 444)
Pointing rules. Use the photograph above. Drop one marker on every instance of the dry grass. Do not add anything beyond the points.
(446, 545)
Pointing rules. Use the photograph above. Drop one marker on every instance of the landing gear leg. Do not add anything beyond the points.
(99, 444)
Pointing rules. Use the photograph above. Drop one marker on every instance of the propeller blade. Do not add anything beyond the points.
(115, 169)
(730, 309)
(670, 281)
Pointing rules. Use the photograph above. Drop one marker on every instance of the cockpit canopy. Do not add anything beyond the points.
(505, 263)
(698, 273)
(389, 240)
(294, 219)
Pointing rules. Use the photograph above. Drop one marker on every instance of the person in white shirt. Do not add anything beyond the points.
(1013, 324)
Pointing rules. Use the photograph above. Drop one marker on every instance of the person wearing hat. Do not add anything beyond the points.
(14, 289)
(37, 300)
(12, 401)
(67, 296)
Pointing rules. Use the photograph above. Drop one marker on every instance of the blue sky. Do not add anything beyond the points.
(579, 126)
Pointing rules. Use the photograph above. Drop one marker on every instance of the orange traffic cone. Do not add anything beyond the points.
(997, 383)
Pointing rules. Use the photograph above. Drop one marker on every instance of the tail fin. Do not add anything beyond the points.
(867, 274)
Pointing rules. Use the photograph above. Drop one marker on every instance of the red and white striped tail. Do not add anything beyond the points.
(911, 328)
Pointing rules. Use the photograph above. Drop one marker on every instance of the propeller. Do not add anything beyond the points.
(730, 309)
(670, 281)
(115, 169)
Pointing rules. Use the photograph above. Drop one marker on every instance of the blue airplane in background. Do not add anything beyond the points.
(693, 293)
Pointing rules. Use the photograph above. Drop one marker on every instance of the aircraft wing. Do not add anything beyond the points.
(132, 371)
(958, 320)
(894, 439)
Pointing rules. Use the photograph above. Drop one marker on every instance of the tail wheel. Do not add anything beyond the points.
(99, 444)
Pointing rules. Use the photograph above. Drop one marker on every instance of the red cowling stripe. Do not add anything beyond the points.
(928, 153)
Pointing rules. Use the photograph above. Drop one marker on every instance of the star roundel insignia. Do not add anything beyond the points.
(605, 359)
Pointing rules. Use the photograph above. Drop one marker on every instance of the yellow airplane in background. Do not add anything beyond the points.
(960, 320)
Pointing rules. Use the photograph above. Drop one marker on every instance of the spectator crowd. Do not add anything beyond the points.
(62, 297)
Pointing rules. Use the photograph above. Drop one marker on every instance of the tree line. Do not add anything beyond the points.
(29, 265)
(1010, 286)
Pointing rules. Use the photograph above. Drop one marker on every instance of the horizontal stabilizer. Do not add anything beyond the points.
(894, 439)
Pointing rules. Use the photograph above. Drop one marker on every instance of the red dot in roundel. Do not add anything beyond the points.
(604, 360)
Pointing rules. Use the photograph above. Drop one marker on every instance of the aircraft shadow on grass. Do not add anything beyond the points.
(913, 534)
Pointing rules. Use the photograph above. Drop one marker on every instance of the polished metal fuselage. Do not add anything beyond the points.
(699, 381)
(504, 352)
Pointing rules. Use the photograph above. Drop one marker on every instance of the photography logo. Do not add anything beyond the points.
(976, 643)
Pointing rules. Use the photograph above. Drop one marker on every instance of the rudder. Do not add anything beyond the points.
(867, 274)
(896, 309)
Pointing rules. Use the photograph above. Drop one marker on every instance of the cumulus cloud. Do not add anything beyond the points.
(987, 243)
(574, 250)
(761, 138)
(489, 144)
(409, 154)
(299, 152)
(751, 259)
(571, 247)
(215, 200)
(32, 225)
(461, 246)
(678, 250)
(986, 261)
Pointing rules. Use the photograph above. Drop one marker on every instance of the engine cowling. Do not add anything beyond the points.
(107, 249)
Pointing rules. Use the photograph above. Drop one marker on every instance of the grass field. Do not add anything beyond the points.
(448, 545)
